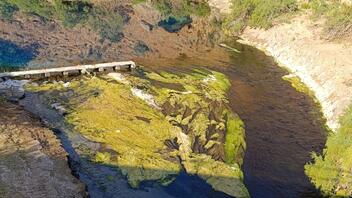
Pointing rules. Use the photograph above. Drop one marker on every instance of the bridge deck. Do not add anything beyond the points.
(70, 69)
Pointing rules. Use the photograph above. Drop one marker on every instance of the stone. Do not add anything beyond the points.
(147, 26)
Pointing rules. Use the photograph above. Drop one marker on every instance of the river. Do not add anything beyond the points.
(282, 126)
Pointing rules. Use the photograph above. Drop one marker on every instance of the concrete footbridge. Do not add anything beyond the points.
(66, 71)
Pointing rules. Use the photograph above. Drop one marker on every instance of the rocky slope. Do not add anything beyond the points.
(32, 161)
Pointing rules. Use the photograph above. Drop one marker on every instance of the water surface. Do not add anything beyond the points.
(283, 126)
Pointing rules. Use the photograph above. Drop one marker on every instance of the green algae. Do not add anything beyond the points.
(222, 177)
(235, 143)
(297, 84)
(134, 117)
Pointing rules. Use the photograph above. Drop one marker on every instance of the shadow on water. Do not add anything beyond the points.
(13, 56)
(107, 181)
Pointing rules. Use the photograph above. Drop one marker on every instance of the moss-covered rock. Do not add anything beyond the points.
(152, 126)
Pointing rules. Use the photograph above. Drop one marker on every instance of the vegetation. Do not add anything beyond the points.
(103, 18)
(36, 7)
(256, 13)
(299, 85)
(146, 125)
(235, 143)
(72, 13)
(263, 13)
(108, 23)
(7, 10)
(338, 16)
(180, 8)
(331, 172)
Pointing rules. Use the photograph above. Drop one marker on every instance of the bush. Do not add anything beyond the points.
(180, 8)
(104, 20)
(72, 13)
(338, 17)
(332, 172)
(40, 8)
(7, 10)
(108, 23)
(257, 13)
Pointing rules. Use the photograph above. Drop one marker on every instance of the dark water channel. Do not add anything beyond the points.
(283, 126)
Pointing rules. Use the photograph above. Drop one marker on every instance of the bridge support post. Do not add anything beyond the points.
(100, 69)
(47, 75)
(65, 73)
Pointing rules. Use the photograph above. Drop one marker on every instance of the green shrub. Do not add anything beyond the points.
(180, 8)
(332, 172)
(257, 13)
(108, 23)
(40, 8)
(338, 16)
(7, 9)
(72, 13)
(104, 20)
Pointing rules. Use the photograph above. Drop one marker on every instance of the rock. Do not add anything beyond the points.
(147, 26)
(58, 107)
(141, 48)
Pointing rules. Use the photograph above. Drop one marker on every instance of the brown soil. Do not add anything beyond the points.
(32, 161)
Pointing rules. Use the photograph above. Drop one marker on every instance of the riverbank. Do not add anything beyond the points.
(324, 66)
(303, 46)
(299, 45)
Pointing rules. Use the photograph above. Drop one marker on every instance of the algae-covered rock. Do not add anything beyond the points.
(152, 126)
(222, 177)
